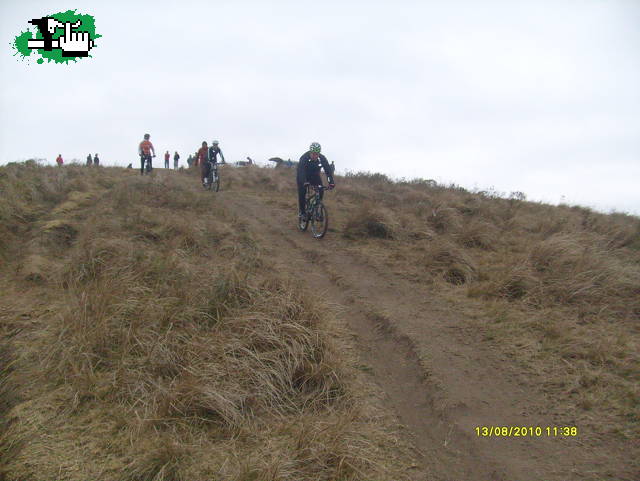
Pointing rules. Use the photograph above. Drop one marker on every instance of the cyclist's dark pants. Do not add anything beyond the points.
(143, 157)
(206, 167)
(313, 180)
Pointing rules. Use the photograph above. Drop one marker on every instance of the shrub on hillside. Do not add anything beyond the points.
(368, 221)
(512, 282)
(368, 177)
(450, 262)
(618, 230)
(573, 269)
(480, 234)
(444, 219)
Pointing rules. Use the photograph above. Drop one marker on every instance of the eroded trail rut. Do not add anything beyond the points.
(437, 376)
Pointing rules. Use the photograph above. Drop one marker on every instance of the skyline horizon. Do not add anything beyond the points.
(446, 183)
(540, 98)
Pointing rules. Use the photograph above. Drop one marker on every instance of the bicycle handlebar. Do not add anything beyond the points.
(317, 187)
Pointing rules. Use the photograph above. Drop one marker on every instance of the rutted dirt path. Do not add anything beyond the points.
(437, 376)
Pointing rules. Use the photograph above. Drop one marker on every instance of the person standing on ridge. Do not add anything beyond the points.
(190, 161)
(96, 160)
(144, 150)
(176, 158)
(308, 173)
(167, 156)
(201, 160)
(59, 160)
(89, 160)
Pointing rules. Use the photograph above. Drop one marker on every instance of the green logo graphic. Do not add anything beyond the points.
(59, 37)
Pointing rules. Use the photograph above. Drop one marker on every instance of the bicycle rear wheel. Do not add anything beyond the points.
(319, 221)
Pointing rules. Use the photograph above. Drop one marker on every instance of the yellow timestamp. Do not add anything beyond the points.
(526, 431)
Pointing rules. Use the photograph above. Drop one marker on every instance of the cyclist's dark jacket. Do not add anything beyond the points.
(309, 170)
(213, 153)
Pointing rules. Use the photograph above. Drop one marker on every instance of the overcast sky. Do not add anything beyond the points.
(533, 96)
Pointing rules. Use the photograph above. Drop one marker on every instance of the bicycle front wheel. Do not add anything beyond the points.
(319, 221)
(216, 182)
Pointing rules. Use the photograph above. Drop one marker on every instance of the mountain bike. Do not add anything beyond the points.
(212, 180)
(315, 212)
(147, 163)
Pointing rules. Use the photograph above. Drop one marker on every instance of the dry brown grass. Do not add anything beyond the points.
(369, 221)
(443, 258)
(166, 347)
(150, 332)
(555, 288)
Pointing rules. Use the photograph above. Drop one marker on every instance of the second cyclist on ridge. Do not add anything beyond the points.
(308, 173)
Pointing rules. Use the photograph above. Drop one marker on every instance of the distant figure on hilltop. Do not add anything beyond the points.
(190, 160)
(59, 160)
(167, 156)
(96, 160)
(145, 149)
(89, 160)
(176, 158)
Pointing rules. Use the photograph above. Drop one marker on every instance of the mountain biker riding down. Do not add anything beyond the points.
(144, 150)
(213, 152)
(309, 173)
(202, 157)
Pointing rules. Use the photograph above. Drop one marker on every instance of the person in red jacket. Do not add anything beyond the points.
(167, 156)
(202, 157)
(59, 160)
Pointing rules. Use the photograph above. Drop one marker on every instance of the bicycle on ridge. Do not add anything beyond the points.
(315, 212)
(212, 179)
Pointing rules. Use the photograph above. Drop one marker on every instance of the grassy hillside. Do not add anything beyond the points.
(147, 335)
(557, 289)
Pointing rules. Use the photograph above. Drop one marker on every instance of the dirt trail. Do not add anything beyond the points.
(438, 377)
